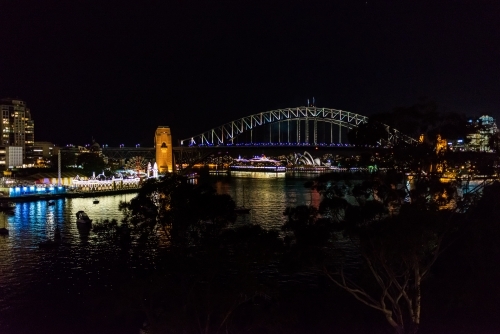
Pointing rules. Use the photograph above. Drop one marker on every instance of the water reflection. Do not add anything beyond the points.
(33, 222)
(267, 198)
(31, 277)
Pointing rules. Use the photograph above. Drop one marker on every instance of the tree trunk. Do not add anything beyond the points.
(417, 302)
(398, 329)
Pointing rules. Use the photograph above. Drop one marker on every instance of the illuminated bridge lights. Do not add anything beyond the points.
(292, 126)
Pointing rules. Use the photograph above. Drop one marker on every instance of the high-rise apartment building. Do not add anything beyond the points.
(17, 128)
(481, 130)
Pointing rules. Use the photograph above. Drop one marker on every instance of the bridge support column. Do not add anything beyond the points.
(298, 131)
(307, 130)
(315, 131)
(163, 146)
(331, 133)
(288, 130)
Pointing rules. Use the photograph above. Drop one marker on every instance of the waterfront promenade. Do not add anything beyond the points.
(69, 194)
(18, 191)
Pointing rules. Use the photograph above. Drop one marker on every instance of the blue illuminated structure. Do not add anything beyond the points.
(36, 190)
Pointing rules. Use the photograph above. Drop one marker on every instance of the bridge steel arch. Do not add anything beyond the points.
(226, 133)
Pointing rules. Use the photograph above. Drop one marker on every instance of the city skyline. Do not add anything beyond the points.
(114, 72)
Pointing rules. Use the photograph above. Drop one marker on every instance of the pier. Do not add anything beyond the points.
(67, 194)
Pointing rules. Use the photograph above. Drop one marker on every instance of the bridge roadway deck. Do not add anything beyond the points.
(129, 152)
(149, 152)
(278, 149)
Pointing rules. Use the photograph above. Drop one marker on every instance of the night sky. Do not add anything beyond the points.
(116, 70)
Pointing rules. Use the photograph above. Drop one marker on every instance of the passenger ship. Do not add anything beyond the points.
(257, 167)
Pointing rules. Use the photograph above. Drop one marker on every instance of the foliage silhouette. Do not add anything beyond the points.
(375, 239)
(209, 277)
(91, 162)
(397, 250)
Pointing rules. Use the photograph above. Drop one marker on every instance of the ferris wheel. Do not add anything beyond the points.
(138, 164)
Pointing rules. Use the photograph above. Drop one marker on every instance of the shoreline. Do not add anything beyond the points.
(48, 197)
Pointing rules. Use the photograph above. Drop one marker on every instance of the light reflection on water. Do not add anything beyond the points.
(28, 274)
(267, 198)
(25, 268)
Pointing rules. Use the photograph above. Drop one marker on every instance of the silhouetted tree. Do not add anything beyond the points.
(422, 118)
(186, 213)
(371, 133)
(91, 162)
(208, 279)
(397, 233)
(67, 159)
(494, 142)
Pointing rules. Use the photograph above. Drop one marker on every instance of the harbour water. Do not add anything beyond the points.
(74, 287)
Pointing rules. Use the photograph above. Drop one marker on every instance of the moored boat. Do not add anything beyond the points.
(7, 206)
(261, 163)
(257, 167)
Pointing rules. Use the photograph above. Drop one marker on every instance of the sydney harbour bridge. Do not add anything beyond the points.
(290, 126)
(297, 127)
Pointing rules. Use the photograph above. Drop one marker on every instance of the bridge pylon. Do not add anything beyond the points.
(163, 147)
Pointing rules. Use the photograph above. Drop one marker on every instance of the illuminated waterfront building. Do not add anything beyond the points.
(17, 128)
(43, 150)
(11, 156)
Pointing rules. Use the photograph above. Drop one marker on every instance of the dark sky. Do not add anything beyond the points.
(117, 70)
